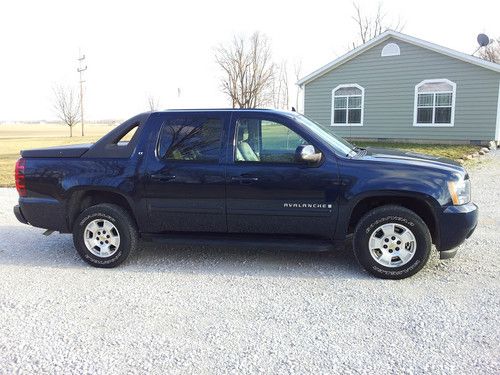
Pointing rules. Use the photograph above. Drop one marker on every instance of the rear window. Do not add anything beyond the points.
(195, 138)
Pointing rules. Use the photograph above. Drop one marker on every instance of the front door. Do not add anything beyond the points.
(185, 178)
(268, 190)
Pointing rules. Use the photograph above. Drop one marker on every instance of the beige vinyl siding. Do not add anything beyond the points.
(389, 84)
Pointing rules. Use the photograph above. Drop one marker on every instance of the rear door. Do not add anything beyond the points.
(268, 191)
(185, 178)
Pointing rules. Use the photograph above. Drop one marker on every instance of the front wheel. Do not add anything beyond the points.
(392, 242)
(104, 235)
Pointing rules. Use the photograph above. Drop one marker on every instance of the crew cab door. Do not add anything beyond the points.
(184, 181)
(268, 191)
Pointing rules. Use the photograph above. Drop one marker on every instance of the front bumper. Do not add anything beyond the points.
(455, 225)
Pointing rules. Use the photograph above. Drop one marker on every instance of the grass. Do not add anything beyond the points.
(14, 138)
(448, 151)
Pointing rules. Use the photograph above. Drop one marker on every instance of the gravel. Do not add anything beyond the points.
(206, 310)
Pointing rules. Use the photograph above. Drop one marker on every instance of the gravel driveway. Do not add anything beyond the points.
(193, 310)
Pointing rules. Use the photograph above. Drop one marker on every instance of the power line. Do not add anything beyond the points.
(80, 70)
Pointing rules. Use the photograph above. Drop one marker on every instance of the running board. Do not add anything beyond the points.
(242, 241)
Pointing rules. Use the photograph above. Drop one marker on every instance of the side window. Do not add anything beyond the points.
(190, 139)
(127, 137)
(265, 141)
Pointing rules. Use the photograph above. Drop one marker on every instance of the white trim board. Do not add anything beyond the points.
(405, 38)
(497, 129)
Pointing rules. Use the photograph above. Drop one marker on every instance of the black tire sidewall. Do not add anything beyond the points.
(116, 218)
(370, 222)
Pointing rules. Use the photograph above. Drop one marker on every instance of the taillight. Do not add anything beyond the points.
(20, 179)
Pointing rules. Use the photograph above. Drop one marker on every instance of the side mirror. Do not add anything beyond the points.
(307, 154)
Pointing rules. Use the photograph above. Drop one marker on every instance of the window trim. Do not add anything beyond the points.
(415, 103)
(346, 124)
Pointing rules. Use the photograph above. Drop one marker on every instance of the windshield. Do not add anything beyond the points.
(339, 144)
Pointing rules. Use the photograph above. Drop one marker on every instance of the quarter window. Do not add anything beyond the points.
(196, 139)
(347, 105)
(435, 103)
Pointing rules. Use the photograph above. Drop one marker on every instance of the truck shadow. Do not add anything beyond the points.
(26, 246)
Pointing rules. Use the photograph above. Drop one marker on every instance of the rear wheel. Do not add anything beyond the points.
(392, 242)
(104, 235)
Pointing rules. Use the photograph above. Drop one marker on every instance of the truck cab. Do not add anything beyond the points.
(237, 177)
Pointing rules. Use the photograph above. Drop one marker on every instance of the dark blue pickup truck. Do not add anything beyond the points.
(236, 177)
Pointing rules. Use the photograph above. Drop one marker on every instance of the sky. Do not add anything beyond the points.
(136, 49)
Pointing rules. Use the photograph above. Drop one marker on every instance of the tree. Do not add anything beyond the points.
(67, 106)
(153, 103)
(279, 90)
(371, 26)
(248, 71)
(297, 69)
(491, 52)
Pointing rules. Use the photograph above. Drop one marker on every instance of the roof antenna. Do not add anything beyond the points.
(483, 41)
(293, 109)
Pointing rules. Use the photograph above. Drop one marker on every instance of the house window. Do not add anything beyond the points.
(390, 49)
(347, 105)
(435, 103)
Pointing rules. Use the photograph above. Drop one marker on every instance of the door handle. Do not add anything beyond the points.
(245, 179)
(162, 177)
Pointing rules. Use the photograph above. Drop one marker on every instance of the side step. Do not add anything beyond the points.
(290, 243)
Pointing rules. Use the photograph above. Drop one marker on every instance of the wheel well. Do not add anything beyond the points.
(419, 206)
(82, 200)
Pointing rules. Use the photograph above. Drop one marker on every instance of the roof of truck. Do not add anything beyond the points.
(257, 110)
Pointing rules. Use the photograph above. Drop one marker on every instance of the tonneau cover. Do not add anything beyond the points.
(70, 151)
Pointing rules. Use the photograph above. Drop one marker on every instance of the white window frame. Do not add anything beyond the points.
(347, 105)
(415, 103)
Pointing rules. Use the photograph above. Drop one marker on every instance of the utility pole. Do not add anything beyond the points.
(80, 70)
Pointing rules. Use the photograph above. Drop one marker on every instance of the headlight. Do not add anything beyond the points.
(459, 191)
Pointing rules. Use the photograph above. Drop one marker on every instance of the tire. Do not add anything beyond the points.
(392, 242)
(105, 235)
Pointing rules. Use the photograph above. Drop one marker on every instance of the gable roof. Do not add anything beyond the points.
(405, 38)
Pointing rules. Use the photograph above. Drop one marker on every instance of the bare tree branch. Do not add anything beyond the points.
(297, 69)
(371, 26)
(279, 91)
(67, 106)
(153, 103)
(491, 52)
(248, 71)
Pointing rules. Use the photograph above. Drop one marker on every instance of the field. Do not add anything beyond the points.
(16, 137)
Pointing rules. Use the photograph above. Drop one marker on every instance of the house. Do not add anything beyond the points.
(397, 87)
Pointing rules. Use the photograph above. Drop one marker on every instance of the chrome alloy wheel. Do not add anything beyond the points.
(392, 245)
(101, 238)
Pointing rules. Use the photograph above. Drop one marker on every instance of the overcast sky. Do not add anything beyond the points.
(140, 48)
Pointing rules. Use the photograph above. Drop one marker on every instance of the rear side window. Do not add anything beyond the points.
(194, 138)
